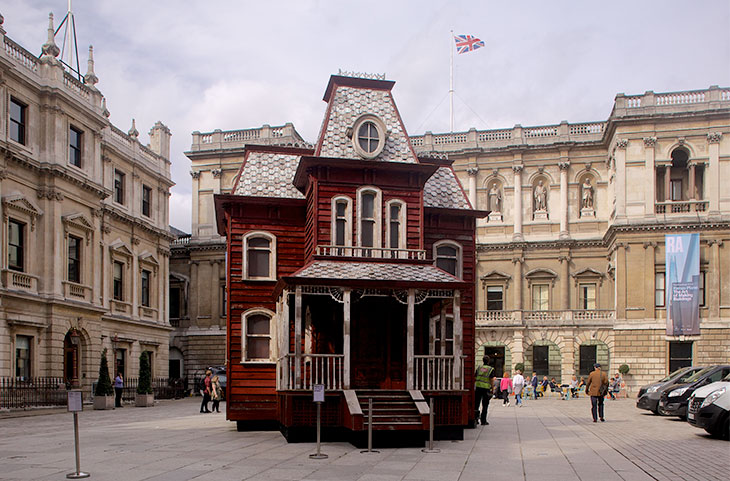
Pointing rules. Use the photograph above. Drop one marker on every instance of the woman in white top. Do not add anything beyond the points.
(518, 384)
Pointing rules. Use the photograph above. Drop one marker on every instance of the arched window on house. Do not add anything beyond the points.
(395, 229)
(259, 258)
(256, 330)
(369, 220)
(341, 223)
(448, 257)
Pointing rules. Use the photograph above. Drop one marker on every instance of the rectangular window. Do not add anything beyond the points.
(587, 296)
(257, 337)
(675, 187)
(540, 360)
(587, 359)
(74, 147)
(367, 228)
(340, 223)
(146, 198)
(447, 259)
(680, 355)
(259, 257)
(448, 340)
(394, 227)
(146, 288)
(22, 356)
(18, 112)
(702, 288)
(74, 259)
(120, 357)
(540, 299)
(495, 298)
(118, 187)
(659, 287)
(16, 245)
(174, 303)
(118, 281)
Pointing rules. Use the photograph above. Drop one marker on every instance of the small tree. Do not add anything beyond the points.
(144, 386)
(104, 384)
(623, 369)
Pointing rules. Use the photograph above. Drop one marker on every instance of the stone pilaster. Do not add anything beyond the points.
(650, 179)
(713, 178)
(517, 236)
(564, 168)
(620, 156)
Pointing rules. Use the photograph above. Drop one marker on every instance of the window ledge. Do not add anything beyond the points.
(17, 280)
(75, 291)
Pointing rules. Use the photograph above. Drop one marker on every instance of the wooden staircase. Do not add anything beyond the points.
(392, 411)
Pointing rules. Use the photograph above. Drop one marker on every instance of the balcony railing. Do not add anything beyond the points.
(557, 317)
(435, 373)
(680, 207)
(326, 369)
(19, 281)
(76, 291)
(373, 252)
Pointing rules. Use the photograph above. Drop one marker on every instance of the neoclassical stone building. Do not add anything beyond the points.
(198, 260)
(84, 238)
(571, 257)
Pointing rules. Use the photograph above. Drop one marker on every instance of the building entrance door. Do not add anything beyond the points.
(496, 353)
(378, 344)
(71, 359)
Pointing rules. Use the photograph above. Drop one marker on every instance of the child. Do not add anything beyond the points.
(505, 386)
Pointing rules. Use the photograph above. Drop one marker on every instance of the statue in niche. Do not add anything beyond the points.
(495, 198)
(587, 194)
(540, 195)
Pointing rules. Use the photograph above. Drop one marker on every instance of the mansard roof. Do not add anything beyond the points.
(349, 99)
(268, 172)
(444, 191)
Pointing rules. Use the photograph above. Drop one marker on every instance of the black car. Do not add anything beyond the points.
(650, 394)
(674, 398)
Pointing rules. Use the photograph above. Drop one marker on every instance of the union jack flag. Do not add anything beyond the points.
(467, 43)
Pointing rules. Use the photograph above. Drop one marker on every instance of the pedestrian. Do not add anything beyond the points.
(544, 385)
(596, 388)
(574, 386)
(505, 385)
(216, 393)
(518, 384)
(484, 380)
(118, 390)
(534, 382)
(206, 393)
(615, 386)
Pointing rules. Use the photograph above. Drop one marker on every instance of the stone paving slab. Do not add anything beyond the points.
(547, 439)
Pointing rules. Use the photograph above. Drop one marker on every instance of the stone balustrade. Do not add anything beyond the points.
(651, 103)
(264, 135)
(529, 318)
(681, 207)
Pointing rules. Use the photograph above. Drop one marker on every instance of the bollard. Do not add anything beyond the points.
(319, 454)
(370, 428)
(430, 448)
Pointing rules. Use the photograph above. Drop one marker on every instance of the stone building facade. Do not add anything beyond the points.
(84, 238)
(198, 260)
(571, 257)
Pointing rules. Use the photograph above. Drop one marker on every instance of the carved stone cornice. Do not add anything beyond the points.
(517, 168)
(622, 143)
(515, 260)
(712, 242)
(216, 173)
(714, 137)
(648, 244)
(3, 174)
(564, 165)
(564, 258)
(649, 141)
(195, 175)
(50, 193)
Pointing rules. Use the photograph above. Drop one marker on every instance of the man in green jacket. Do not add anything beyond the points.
(483, 383)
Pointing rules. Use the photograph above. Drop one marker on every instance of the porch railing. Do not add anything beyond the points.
(326, 369)
(377, 252)
(435, 373)
(21, 393)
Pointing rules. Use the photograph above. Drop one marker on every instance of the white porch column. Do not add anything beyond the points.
(517, 214)
(432, 335)
(298, 337)
(473, 186)
(346, 338)
(410, 331)
(442, 334)
(284, 339)
(620, 156)
(458, 340)
(564, 166)
(712, 180)
(650, 179)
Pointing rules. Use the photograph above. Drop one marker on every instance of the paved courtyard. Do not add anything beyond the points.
(545, 440)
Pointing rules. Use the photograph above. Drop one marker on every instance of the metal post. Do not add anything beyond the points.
(370, 428)
(430, 448)
(318, 454)
(78, 474)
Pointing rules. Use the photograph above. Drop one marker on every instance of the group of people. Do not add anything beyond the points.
(597, 387)
(211, 391)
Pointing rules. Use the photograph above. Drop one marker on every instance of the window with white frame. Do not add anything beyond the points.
(659, 289)
(23, 346)
(341, 221)
(368, 213)
(540, 297)
(495, 298)
(587, 293)
(447, 255)
(448, 338)
(395, 229)
(16, 245)
(256, 327)
(118, 281)
(368, 136)
(259, 258)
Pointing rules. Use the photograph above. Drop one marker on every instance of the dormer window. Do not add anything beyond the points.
(368, 136)
(368, 219)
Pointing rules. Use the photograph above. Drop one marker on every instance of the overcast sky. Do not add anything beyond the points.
(205, 65)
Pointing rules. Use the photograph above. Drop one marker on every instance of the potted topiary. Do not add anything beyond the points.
(520, 367)
(104, 393)
(623, 369)
(144, 397)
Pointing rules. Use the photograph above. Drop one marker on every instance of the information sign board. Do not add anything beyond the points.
(318, 391)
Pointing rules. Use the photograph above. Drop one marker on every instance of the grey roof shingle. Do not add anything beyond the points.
(444, 190)
(374, 271)
(348, 104)
(269, 174)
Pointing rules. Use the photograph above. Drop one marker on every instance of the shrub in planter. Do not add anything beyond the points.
(144, 397)
(623, 369)
(104, 393)
(520, 367)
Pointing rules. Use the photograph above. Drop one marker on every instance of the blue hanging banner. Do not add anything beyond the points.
(682, 257)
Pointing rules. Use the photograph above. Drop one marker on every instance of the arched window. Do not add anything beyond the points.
(369, 218)
(447, 255)
(341, 221)
(259, 256)
(256, 330)
(395, 229)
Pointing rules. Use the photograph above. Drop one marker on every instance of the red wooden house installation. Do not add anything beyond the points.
(352, 265)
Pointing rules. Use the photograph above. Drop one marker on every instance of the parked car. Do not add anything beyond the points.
(709, 408)
(674, 398)
(650, 394)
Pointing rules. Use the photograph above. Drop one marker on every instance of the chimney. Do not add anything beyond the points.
(160, 139)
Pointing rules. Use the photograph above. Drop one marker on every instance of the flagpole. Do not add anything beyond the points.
(451, 83)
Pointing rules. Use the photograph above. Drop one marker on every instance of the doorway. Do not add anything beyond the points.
(497, 355)
(71, 358)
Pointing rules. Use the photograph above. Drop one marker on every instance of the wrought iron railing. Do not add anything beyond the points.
(31, 392)
(162, 388)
